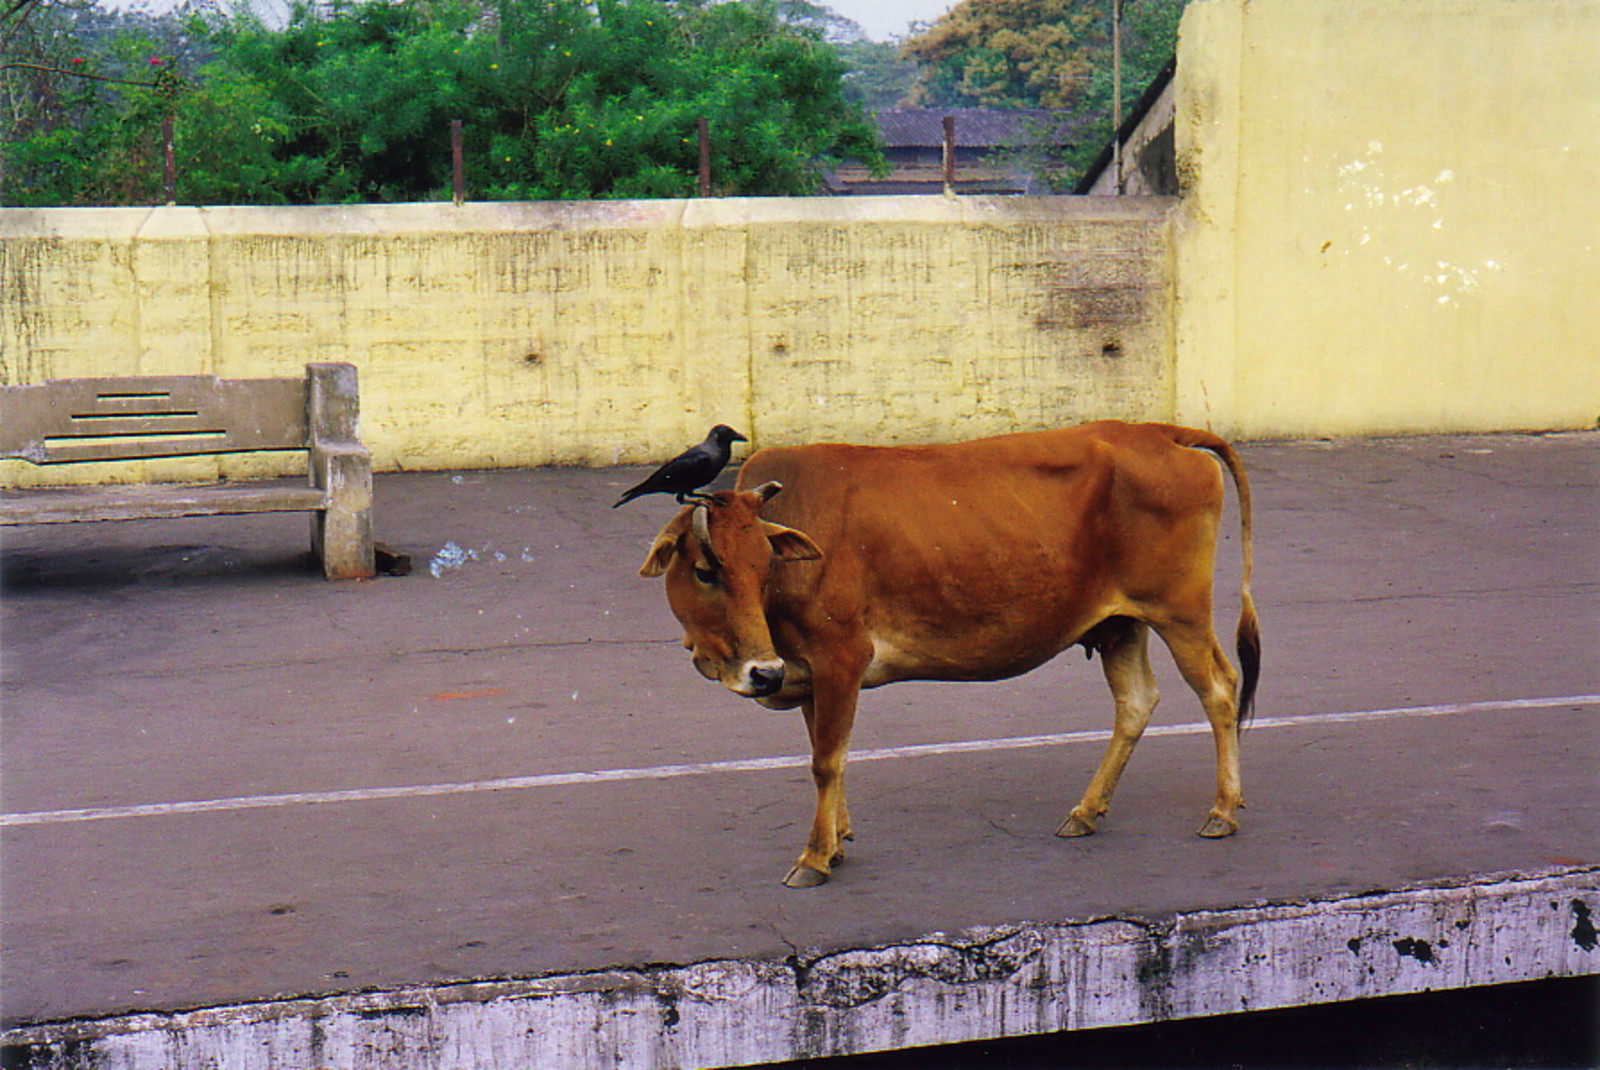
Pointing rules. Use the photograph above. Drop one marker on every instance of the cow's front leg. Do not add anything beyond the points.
(829, 717)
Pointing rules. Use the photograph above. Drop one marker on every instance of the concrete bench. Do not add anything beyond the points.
(73, 420)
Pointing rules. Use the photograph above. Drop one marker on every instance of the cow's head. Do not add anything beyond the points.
(717, 555)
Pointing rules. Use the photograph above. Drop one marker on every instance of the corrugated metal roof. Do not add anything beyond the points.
(903, 128)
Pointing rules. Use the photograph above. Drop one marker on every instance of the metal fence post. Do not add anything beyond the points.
(169, 171)
(703, 130)
(949, 155)
(458, 181)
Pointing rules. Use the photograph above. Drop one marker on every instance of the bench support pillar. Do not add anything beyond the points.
(340, 467)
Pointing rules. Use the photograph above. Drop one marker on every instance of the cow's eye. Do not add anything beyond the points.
(705, 575)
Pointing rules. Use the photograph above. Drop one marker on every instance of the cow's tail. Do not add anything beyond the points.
(1247, 637)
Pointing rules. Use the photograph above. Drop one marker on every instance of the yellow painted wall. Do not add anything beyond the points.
(1391, 219)
(613, 332)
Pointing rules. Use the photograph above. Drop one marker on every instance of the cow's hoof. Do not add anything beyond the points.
(1075, 826)
(1217, 826)
(804, 877)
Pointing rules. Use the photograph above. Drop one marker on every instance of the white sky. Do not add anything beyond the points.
(883, 19)
(879, 19)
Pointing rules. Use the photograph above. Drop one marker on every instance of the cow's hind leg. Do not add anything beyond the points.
(1207, 670)
(1124, 653)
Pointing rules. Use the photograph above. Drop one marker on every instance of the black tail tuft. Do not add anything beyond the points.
(1248, 647)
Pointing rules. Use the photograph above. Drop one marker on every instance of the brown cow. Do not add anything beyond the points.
(974, 561)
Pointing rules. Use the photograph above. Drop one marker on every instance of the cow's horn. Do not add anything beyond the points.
(766, 491)
(700, 524)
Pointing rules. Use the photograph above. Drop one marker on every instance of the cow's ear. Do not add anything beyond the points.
(666, 545)
(789, 544)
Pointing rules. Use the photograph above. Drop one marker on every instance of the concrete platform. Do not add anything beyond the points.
(488, 815)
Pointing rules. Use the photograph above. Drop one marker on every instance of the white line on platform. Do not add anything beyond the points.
(750, 765)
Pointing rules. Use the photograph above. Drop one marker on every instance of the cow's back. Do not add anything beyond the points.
(985, 558)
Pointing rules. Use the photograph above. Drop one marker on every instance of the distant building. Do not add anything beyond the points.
(997, 150)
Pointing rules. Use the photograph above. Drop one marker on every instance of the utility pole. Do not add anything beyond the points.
(1116, 94)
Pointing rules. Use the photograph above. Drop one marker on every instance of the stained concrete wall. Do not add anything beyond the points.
(1390, 221)
(603, 333)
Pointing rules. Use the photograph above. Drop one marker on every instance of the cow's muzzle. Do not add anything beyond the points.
(759, 678)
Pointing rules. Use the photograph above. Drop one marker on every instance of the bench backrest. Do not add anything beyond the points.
(173, 416)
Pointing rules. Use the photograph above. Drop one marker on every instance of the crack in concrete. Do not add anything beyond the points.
(852, 978)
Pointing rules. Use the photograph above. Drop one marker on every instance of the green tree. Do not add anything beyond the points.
(1044, 54)
(879, 74)
(559, 99)
(83, 93)
(1009, 53)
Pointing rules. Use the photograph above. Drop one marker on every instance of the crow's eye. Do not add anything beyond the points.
(705, 575)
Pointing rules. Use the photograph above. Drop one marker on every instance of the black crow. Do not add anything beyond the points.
(691, 469)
